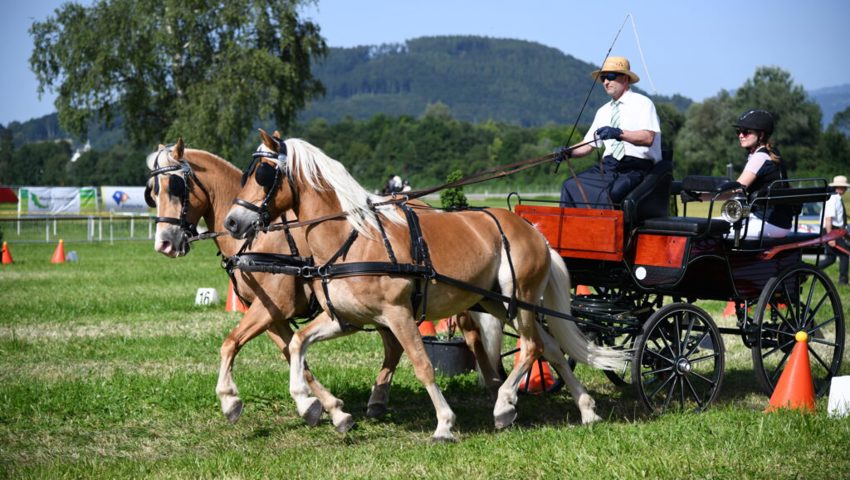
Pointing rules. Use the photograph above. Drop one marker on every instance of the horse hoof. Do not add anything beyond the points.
(343, 423)
(311, 411)
(505, 419)
(376, 410)
(588, 419)
(444, 439)
(234, 412)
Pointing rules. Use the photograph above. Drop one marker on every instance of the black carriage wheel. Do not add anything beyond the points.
(679, 359)
(801, 298)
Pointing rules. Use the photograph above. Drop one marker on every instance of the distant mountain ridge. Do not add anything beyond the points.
(831, 100)
(478, 78)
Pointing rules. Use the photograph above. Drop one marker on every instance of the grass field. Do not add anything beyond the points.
(108, 370)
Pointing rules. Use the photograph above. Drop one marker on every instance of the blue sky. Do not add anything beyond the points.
(694, 48)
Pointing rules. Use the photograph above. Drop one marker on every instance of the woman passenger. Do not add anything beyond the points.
(764, 166)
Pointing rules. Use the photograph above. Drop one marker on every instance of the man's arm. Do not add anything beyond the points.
(640, 138)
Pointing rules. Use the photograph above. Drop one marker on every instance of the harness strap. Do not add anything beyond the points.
(343, 250)
(512, 305)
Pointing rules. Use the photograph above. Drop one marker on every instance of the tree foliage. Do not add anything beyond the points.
(707, 142)
(204, 70)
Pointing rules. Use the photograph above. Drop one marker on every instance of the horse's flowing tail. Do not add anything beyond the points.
(571, 339)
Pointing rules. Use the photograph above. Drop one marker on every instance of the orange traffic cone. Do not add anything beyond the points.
(729, 311)
(582, 290)
(539, 379)
(795, 389)
(234, 303)
(7, 255)
(426, 329)
(59, 253)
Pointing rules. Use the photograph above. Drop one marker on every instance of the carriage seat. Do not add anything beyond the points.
(687, 226)
(651, 198)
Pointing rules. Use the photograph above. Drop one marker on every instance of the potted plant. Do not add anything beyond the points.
(448, 353)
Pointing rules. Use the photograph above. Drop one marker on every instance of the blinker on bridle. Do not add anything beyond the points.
(269, 178)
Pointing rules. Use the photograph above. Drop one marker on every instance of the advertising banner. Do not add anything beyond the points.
(124, 199)
(57, 200)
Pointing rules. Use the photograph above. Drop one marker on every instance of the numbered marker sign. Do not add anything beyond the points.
(206, 296)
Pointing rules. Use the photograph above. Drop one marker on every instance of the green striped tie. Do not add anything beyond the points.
(618, 150)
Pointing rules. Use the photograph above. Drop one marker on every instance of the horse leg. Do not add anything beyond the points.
(380, 396)
(404, 329)
(310, 408)
(504, 413)
(553, 354)
(479, 332)
(255, 321)
(281, 333)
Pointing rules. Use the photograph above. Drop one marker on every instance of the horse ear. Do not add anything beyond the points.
(276, 134)
(268, 141)
(178, 149)
(160, 147)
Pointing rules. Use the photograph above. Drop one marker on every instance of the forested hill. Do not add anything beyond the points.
(478, 78)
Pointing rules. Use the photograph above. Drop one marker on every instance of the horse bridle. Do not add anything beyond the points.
(179, 189)
(269, 178)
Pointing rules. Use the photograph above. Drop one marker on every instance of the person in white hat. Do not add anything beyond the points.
(835, 216)
(629, 130)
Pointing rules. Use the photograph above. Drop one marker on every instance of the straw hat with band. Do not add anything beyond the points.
(616, 65)
(839, 181)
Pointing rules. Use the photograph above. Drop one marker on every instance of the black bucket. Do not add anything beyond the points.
(450, 357)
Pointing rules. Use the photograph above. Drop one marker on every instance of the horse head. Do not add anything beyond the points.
(179, 205)
(265, 194)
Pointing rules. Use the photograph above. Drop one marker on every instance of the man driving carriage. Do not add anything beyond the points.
(628, 128)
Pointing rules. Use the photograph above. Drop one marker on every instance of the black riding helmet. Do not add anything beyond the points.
(756, 119)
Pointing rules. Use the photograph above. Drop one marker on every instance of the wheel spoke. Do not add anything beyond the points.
(819, 327)
(655, 372)
(670, 393)
(697, 344)
(706, 357)
(818, 358)
(775, 374)
(704, 379)
(694, 392)
(795, 314)
(809, 297)
(663, 384)
(822, 342)
(662, 357)
(779, 347)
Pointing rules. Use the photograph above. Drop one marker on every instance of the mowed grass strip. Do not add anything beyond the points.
(108, 370)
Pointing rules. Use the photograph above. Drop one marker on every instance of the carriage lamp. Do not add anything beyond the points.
(733, 211)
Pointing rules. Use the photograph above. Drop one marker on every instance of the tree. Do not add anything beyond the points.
(193, 68)
(841, 122)
(706, 142)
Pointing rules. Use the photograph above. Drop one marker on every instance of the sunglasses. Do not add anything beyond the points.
(610, 76)
(744, 131)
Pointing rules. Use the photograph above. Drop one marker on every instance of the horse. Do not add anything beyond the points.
(480, 250)
(187, 185)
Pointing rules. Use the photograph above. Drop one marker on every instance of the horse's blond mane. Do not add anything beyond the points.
(324, 173)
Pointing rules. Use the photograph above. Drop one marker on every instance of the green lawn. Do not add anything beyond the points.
(108, 370)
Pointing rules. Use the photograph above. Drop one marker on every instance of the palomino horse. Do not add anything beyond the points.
(189, 184)
(492, 250)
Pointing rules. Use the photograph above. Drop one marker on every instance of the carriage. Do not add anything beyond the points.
(387, 262)
(644, 268)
